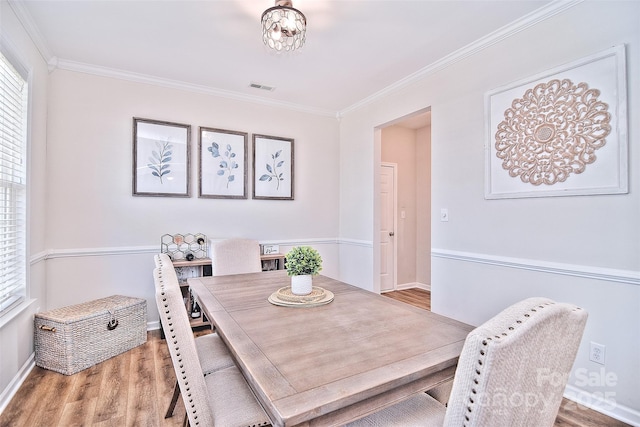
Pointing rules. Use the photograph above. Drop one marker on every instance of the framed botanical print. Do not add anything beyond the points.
(273, 167)
(222, 172)
(161, 158)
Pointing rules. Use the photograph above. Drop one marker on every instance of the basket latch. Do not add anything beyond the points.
(113, 323)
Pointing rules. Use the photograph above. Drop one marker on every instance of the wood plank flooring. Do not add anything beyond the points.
(134, 389)
(414, 296)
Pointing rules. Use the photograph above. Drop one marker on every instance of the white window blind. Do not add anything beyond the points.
(13, 189)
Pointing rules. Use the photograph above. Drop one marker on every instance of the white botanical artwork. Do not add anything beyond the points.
(273, 164)
(223, 164)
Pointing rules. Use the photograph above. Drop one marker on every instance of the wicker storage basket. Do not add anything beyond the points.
(70, 339)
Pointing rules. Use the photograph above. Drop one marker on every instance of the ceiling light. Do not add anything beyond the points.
(283, 27)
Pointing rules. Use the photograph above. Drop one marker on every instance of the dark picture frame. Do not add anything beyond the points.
(222, 164)
(161, 158)
(273, 167)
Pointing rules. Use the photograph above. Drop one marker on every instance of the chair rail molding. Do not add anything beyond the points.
(629, 277)
(149, 249)
(86, 252)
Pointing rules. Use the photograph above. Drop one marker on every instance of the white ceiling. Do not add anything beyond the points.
(354, 50)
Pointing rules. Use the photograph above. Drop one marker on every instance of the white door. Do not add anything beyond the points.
(387, 227)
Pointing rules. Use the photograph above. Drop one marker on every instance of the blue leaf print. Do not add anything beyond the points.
(226, 165)
(214, 149)
(273, 170)
(159, 161)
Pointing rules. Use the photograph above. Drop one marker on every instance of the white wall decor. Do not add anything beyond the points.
(560, 133)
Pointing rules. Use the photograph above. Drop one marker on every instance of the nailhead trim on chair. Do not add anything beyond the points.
(195, 415)
(175, 343)
(483, 355)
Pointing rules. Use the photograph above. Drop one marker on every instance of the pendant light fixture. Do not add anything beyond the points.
(283, 27)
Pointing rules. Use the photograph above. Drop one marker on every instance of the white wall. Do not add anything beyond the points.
(99, 234)
(491, 253)
(16, 328)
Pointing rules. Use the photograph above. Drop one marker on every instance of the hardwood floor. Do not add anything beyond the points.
(414, 296)
(134, 389)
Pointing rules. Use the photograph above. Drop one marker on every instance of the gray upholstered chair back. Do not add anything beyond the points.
(513, 369)
(235, 256)
(182, 348)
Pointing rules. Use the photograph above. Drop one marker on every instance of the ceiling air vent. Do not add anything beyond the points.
(262, 87)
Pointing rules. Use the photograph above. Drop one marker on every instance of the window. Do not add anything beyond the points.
(13, 188)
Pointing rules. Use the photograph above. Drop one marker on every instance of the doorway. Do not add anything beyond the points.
(388, 203)
(405, 250)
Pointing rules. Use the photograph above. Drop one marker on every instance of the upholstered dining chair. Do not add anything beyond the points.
(162, 260)
(512, 372)
(212, 352)
(221, 398)
(235, 256)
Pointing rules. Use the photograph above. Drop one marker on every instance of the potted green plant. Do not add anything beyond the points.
(302, 263)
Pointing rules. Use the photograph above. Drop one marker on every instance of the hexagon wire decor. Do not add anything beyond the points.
(179, 246)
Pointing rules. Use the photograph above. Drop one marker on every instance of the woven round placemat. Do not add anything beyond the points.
(285, 297)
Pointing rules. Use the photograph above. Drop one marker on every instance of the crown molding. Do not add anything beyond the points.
(55, 62)
(551, 9)
(65, 64)
(30, 27)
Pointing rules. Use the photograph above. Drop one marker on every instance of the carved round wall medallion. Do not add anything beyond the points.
(553, 131)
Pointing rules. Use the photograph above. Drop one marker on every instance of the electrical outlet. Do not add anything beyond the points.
(597, 353)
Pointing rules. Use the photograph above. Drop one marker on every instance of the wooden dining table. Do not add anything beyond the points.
(329, 364)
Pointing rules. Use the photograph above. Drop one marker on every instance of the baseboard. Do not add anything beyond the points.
(153, 326)
(16, 382)
(426, 287)
(609, 407)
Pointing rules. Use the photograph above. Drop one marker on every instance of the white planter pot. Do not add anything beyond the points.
(301, 285)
